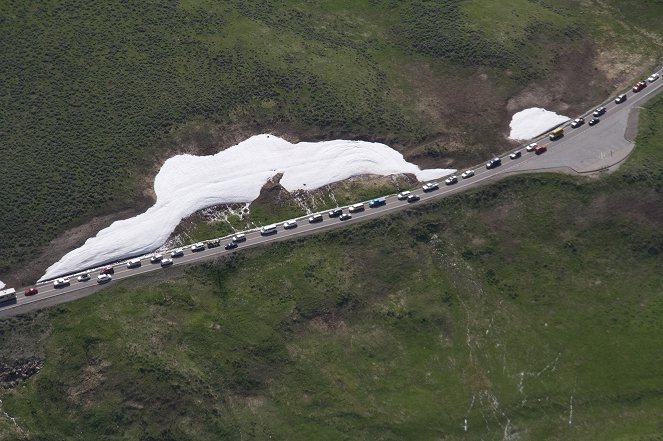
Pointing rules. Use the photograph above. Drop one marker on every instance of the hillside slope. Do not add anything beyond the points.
(97, 94)
(529, 309)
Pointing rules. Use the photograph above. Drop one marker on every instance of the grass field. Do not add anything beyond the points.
(529, 310)
(97, 94)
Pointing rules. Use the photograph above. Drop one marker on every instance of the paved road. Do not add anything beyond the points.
(585, 149)
(605, 145)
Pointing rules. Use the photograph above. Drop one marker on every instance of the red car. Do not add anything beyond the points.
(639, 86)
(31, 291)
(107, 270)
(540, 149)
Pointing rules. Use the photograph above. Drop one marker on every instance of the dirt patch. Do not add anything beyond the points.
(330, 324)
(578, 82)
(465, 111)
(91, 378)
(18, 370)
(635, 207)
(618, 67)
(273, 192)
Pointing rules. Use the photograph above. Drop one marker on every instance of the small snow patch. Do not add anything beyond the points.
(2, 285)
(532, 122)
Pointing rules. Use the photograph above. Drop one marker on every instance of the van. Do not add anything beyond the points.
(241, 237)
(133, 263)
(356, 207)
(557, 133)
(269, 229)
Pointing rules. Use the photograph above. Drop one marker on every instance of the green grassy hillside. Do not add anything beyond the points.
(528, 309)
(96, 94)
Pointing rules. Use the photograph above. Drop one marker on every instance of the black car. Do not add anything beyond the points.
(600, 111)
(345, 216)
(413, 198)
(230, 245)
(495, 162)
(594, 121)
(621, 98)
(336, 212)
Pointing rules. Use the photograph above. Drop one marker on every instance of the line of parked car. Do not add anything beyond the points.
(105, 274)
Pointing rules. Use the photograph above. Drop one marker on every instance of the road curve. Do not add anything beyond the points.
(585, 149)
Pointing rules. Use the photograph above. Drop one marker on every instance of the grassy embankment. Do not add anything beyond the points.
(531, 307)
(97, 94)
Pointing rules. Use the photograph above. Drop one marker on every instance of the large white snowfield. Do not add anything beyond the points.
(187, 183)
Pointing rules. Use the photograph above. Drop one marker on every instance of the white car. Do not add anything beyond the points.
(467, 174)
(515, 155)
(61, 283)
(84, 277)
(133, 263)
(241, 237)
(451, 180)
(156, 258)
(166, 262)
(430, 187)
(177, 253)
(289, 224)
(531, 147)
(356, 207)
(198, 246)
(653, 77)
(104, 278)
(403, 195)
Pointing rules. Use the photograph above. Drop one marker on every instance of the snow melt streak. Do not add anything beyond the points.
(186, 184)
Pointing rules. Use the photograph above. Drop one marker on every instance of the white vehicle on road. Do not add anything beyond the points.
(198, 246)
(430, 187)
(403, 195)
(289, 224)
(356, 207)
(653, 77)
(84, 277)
(269, 229)
(133, 263)
(241, 237)
(104, 278)
(531, 147)
(61, 283)
(177, 253)
(156, 258)
(467, 174)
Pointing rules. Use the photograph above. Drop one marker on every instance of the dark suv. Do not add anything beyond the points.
(495, 162)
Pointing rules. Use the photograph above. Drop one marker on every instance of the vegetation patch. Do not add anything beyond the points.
(529, 308)
(96, 95)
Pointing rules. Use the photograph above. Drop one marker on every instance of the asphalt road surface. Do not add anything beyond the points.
(584, 149)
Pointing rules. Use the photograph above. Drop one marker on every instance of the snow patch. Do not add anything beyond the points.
(187, 183)
(530, 123)
(2, 285)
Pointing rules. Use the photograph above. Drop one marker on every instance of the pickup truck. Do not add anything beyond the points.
(377, 202)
